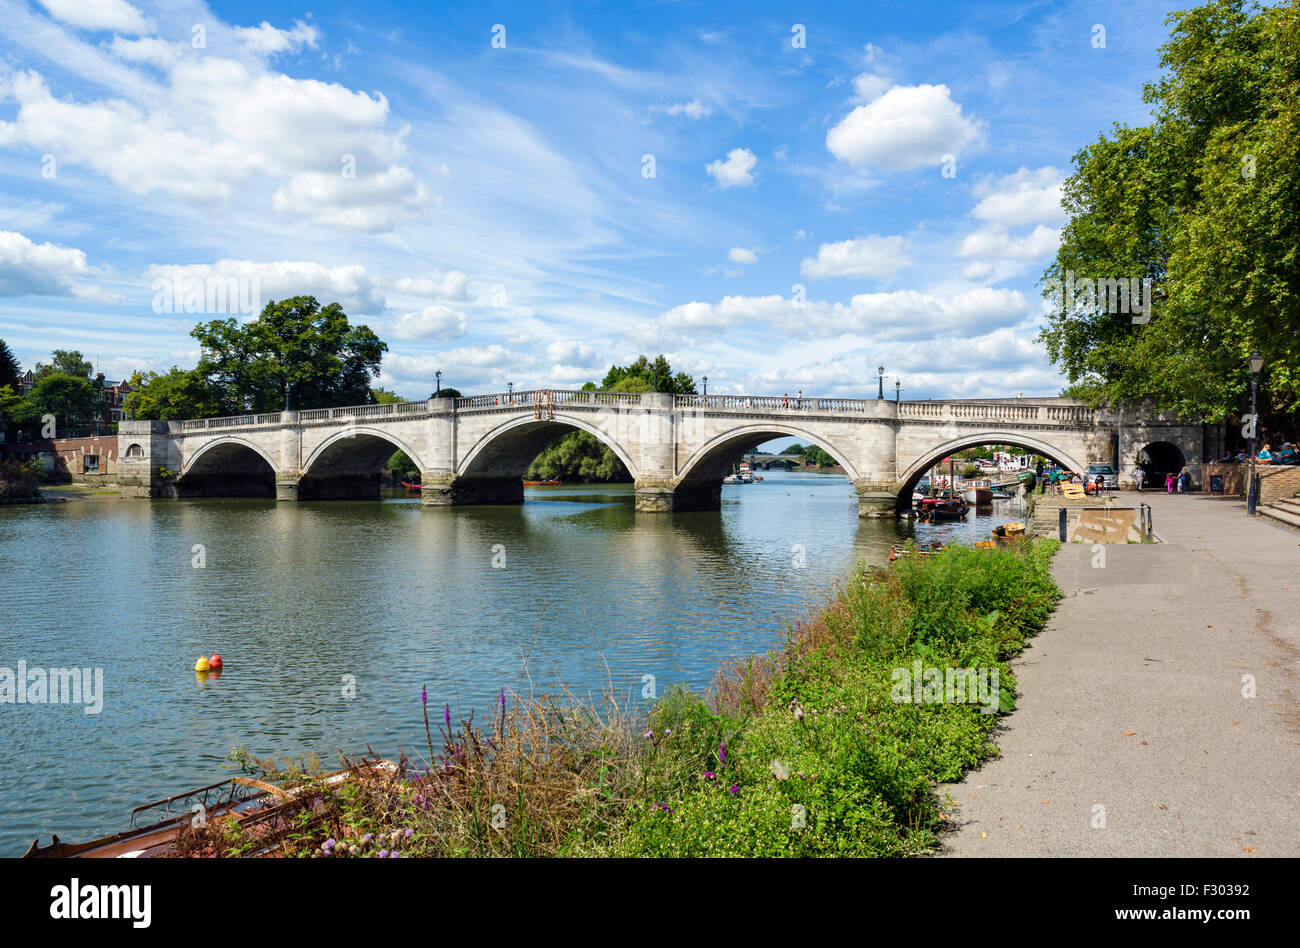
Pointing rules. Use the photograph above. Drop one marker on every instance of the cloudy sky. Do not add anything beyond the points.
(530, 192)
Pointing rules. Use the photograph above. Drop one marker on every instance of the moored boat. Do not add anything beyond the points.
(549, 483)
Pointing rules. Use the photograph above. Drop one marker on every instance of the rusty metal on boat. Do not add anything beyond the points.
(246, 801)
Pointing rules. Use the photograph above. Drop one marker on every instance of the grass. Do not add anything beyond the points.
(805, 751)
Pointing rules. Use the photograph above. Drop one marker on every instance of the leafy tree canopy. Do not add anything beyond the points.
(65, 362)
(631, 378)
(68, 398)
(177, 394)
(10, 368)
(295, 351)
(1205, 203)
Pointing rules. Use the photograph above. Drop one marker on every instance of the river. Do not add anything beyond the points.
(297, 596)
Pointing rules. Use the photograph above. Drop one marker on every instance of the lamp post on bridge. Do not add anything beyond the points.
(880, 375)
(898, 388)
(437, 383)
(706, 385)
(1256, 365)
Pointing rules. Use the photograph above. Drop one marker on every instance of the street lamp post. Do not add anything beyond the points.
(706, 385)
(898, 387)
(1256, 365)
(437, 381)
(880, 375)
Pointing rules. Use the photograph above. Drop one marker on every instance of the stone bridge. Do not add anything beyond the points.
(677, 448)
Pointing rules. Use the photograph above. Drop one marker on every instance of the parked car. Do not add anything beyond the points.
(1106, 471)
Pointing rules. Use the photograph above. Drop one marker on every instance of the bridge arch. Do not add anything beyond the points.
(909, 477)
(220, 452)
(712, 461)
(228, 466)
(508, 449)
(347, 464)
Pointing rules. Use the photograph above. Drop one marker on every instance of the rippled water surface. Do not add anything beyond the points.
(295, 596)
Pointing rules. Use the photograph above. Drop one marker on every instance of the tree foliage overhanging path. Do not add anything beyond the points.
(1204, 202)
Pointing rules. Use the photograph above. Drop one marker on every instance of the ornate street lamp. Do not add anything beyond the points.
(437, 378)
(1256, 365)
(706, 385)
(898, 388)
(880, 373)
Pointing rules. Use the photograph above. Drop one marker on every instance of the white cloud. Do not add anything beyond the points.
(907, 127)
(349, 286)
(30, 269)
(220, 125)
(116, 15)
(576, 355)
(694, 109)
(894, 316)
(367, 203)
(452, 285)
(869, 86)
(1020, 199)
(871, 256)
(997, 243)
(266, 39)
(432, 322)
(742, 255)
(736, 171)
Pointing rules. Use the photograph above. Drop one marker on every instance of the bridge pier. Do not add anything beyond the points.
(877, 498)
(449, 490)
(286, 487)
(654, 495)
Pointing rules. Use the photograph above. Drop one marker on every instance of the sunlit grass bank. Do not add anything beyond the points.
(825, 747)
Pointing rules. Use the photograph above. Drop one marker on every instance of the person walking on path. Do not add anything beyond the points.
(1139, 476)
(1184, 481)
(1169, 483)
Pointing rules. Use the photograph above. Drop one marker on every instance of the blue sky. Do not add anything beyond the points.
(472, 181)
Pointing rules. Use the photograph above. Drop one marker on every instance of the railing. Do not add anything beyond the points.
(955, 410)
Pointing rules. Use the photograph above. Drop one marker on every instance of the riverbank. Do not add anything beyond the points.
(1161, 708)
(833, 745)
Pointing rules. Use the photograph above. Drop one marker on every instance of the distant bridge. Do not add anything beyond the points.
(677, 448)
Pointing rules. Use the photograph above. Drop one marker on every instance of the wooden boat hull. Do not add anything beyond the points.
(551, 483)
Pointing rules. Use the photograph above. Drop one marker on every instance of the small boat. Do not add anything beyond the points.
(978, 496)
(410, 486)
(1008, 530)
(746, 473)
(927, 550)
(551, 483)
(243, 800)
(943, 508)
(732, 479)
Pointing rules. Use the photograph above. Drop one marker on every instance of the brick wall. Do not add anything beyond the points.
(1276, 483)
(69, 456)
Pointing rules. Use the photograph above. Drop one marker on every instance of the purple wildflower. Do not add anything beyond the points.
(722, 755)
(710, 775)
(447, 715)
(735, 788)
(410, 833)
(383, 854)
(424, 696)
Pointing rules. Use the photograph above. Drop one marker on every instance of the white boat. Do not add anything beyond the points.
(732, 479)
(746, 474)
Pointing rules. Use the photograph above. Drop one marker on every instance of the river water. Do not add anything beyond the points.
(295, 597)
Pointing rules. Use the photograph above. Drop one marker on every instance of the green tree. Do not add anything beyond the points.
(70, 399)
(296, 351)
(180, 393)
(10, 368)
(382, 396)
(1205, 203)
(819, 457)
(578, 455)
(445, 392)
(403, 468)
(652, 374)
(67, 362)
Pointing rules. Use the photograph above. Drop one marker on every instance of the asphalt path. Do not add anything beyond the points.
(1134, 733)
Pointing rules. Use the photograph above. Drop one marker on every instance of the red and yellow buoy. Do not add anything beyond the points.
(215, 662)
(202, 664)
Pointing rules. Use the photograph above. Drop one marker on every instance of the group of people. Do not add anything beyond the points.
(1289, 453)
(1182, 482)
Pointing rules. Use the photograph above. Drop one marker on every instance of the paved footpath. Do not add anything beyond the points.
(1132, 700)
